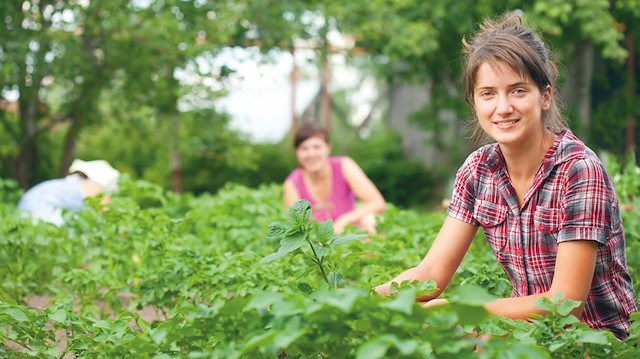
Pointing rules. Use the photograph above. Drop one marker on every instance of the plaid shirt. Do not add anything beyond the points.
(571, 198)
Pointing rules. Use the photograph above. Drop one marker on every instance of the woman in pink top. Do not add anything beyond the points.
(331, 184)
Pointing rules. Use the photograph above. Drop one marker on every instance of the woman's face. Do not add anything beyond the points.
(313, 153)
(509, 107)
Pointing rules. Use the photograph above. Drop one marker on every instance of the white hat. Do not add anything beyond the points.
(99, 171)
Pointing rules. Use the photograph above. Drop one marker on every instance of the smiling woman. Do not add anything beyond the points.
(547, 207)
(331, 184)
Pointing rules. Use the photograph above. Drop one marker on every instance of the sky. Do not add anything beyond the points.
(259, 100)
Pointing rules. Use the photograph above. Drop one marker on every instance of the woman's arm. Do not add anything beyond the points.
(365, 191)
(575, 264)
(289, 193)
(442, 259)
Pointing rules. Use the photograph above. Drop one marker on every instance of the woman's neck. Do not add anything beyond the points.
(322, 173)
(523, 162)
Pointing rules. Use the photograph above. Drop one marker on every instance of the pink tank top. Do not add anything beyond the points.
(340, 201)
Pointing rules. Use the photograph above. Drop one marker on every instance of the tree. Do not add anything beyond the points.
(63, 59)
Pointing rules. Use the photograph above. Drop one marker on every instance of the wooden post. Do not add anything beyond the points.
(326, 96)
(294, 79)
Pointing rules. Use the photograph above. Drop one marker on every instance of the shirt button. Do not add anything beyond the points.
(542, 226)
(486, 221)
(524, 284)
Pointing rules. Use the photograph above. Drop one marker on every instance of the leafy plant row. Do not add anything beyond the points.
(232, 275)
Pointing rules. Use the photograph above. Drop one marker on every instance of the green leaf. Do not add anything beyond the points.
(293, 330)
(279, 229)
(378, 347)
(544, 304)
(470, 314)
(343, 299)
(159, 335)
(566, 306)
(557, 345)
(425, 287)
(568, 320)
(143, 324)
(259, 341)
(593, 337)
(15, 313)
(348, 238)
(321, 252)
(288, 244)
(59, 315)
(471, 295)
(374, 349)
(557, 297)
(522, 351)
(305, 287)
(102, 324)
(126, 315)
(299, 213)
(403, 302)
(325, 232)
(263, 300)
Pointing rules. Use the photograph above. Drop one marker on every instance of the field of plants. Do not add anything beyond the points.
(232, 275)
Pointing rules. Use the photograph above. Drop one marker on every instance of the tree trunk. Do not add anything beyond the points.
(630, 142)
(28, 150)
(326, 97)
(577, 88)
(175, 163)
(294, 80)
(175, 158)
(69, 145)
(585, 68)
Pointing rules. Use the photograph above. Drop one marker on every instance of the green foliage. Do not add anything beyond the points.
(402, 182)
(297, 231)
(559, 332)
(625, 176)
(197, 264)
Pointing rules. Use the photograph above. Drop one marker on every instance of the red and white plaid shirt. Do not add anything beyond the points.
(571, 198)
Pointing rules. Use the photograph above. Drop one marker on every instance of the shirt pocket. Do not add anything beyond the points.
(547, 222)
(492, 217)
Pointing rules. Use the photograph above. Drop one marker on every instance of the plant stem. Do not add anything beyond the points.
(324, 276)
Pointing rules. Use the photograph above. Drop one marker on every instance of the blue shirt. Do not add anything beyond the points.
(46, 200)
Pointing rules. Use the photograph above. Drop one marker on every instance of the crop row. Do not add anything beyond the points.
(160, 275)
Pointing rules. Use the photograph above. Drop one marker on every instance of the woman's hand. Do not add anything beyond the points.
(434, 302)
(339, 225)
(383, 289)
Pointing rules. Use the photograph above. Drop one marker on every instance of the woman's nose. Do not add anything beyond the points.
(504, 105)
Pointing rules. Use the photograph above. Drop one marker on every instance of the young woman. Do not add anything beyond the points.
(331, 184)
(547, 207)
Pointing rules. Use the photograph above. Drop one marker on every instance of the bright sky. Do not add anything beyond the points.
(259, 101)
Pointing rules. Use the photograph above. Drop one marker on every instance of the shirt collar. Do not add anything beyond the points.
(565, 147)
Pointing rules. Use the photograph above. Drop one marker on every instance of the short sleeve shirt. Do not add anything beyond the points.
(571, 198)
(341, 200)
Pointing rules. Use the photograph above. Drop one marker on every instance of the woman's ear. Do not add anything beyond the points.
(546, 98)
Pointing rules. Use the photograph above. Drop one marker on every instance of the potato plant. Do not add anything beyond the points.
(234, 275)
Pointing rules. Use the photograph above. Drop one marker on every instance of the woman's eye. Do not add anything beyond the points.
(519, 91)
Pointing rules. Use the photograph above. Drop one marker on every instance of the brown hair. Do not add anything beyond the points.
(309, 130)
(509, 41)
